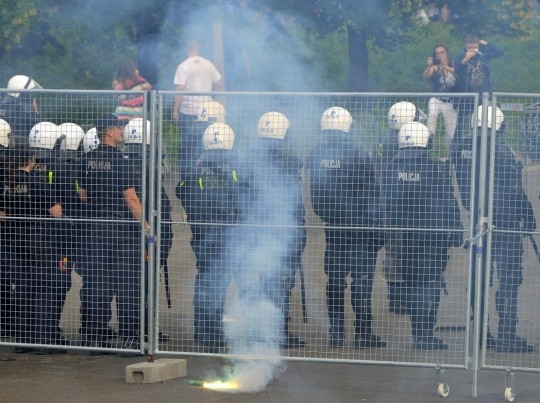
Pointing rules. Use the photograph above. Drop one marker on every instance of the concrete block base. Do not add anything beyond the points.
(157, 371)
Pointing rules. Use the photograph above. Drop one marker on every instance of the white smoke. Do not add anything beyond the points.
(259, 55)
(262, 51)
(253, 329)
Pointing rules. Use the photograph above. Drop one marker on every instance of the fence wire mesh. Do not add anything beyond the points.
(290, 251)
(72, 245)
(512, 279)
(275, 225)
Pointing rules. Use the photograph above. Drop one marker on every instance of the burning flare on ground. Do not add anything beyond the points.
(217, 385)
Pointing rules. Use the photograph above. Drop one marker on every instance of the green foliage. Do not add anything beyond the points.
(329, 55)
(505, 18)
(400, 69)
(518, 69)
(78, 44)
(15, 20)
(67, 49)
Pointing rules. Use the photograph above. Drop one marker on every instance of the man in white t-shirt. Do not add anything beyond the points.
(195, 74)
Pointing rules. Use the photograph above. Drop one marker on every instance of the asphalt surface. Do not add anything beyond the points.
(78, 377)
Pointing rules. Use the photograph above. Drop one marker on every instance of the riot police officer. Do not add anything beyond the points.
(110, 186)
(44, 139)
(422, 219)
(208, 113)
(399, 114)
(26, 195)
(213, 192)
(513, 218)
(279, 210)
(344, 194)
(20, 109)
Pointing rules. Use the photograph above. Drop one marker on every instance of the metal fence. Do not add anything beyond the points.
(276, 239)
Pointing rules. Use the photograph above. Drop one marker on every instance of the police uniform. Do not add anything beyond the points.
(192, 128)
(512, 212)
(21, 116)
(57, 260)
(66, 179)
(25, 244)
(214, 196)
(113, 253)
(344, 194)
(279, 209)
(386, 150)
(417, 197)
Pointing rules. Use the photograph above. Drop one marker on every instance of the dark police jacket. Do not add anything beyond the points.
(512, 209)
(213, 193)
(25, 194)
(105, 173)
(418, 198)
(344, 190)
(387, 148)
(277, 199)
(21, 116)
(60, 178)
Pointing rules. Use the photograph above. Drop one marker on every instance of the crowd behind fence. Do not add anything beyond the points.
(304, 226)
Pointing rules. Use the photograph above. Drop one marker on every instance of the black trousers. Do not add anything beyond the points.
(113, 269)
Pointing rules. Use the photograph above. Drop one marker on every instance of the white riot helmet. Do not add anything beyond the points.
(5, 132)
(273, 125)
(413, 134)
(44, 135)
(211, 112)
(73, 135)
(218, 136)
(499, 117)
(336, 118)
(401, 113)
(133, 131)
(90, 140)
(20, 82)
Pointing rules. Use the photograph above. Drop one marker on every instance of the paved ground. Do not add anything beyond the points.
(79, 377)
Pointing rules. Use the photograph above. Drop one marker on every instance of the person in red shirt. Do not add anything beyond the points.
(127, 78)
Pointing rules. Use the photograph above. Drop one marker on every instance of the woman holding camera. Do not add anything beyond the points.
(440, 76)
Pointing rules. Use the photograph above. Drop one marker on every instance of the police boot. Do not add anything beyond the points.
(213, 338)
(490, 340)
(424, 309)
(200, 318)
(396, 302)
(290, 340)
(364, 337)
(336, 316)
(508, 341)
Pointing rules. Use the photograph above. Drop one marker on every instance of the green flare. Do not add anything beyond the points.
(196, 383)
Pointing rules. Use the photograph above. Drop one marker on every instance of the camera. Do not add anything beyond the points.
(436, 61)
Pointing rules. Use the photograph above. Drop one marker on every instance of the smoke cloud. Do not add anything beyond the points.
(261, 51)
(254, 318)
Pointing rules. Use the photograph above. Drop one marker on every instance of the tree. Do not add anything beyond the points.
(15, 19)
(389, 23)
